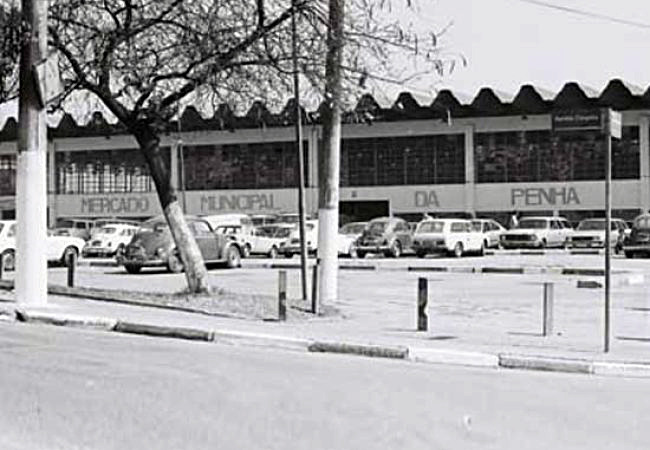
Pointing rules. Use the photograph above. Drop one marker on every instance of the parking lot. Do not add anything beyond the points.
(467, 307)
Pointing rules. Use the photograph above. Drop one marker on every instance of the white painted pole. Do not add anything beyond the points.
(31, 182)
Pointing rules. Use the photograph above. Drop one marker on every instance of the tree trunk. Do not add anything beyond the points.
(195, 271)
(329, 158)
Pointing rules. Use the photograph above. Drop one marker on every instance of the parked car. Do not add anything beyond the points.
(348, 235)
(388, 235)
(454, 237)
(638, 242)
(491, 231)
(266, 240)
(109, 240)
(590, 233)
(58, 248)
(80, 228)
(238, 225)
(153, 246)
(291, 246)
(538, 232)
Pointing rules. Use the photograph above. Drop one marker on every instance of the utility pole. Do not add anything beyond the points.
(329, 158)
(31, 179)
(301, 153)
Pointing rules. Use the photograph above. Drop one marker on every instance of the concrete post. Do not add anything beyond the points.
(71, 262)
(644, 162)
(423, 297)
(314, 289)
(31, 182)
(547, 310)
(282, 295)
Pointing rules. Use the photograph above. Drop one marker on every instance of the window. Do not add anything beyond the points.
(431, 227)
(242, 166)
(103, 171)
(200, 228)
(458, 227)
(527, 156)
(435, 159)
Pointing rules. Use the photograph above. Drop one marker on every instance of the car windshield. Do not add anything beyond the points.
(107, 230)
(227, 230)
(353, 228)
(282, 232)
(535, 224)
(154, 225)
(592, 225)
(431, 227)
(377, 227)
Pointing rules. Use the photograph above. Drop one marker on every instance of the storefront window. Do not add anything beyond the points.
(242, 166)
(528, 156)
(436, 159)
(103, 171)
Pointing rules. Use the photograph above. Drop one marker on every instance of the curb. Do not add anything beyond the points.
(413, 354)
(66, 320)
(543, 363)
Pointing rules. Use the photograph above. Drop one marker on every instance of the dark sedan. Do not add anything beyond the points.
(153, 246)
(638, 242)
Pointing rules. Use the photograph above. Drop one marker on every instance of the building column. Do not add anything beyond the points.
(469, 170)
(51, 184)
(644, 162)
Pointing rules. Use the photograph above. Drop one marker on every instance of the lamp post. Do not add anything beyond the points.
(301, 155)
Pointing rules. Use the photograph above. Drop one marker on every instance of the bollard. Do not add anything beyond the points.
(547, 310)
(423, 296)
(314, 289)
(71, 261)
(282, 295)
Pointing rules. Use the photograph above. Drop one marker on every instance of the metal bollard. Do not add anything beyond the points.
(547, 310)
(72, 264)
(423, 297)
(282, 295)
(314, 289)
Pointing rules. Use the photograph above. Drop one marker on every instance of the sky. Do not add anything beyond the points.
(508, 43)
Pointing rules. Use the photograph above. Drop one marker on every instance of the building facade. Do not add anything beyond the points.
(486, 158)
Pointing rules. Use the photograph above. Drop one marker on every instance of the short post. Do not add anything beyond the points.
(282, 296)
(314, 289)
(423, 297)
(71, 261)
(547, 310)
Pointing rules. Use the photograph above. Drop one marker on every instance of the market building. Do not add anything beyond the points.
(487, 157)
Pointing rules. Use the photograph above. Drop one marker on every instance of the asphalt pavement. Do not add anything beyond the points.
(75, 389)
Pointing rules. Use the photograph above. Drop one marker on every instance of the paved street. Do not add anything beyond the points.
(70, 389)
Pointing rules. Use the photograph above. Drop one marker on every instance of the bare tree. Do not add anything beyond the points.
(10, 20)
(144, 59)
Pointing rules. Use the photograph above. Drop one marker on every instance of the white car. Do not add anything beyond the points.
(59, 248)
(266, 240)
(109, 240)
(538, 232)
(291, 246)
(348, 235)
(590, 233)
(491, 230)
(451, 236)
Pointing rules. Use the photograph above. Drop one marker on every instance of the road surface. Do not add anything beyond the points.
(74, 389)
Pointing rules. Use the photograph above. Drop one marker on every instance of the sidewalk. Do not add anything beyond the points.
(478, 320)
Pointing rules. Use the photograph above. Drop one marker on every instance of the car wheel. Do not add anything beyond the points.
(247, 251)
(9, 260)
(133, 268)
(420, 253)
(233, 257)
(396, 249)
(481, 251)
(361, 254)
(273, 253)
(542, 243)
(288, 255)
(174, 264)
(119, 250)
(67, 254)
(458, 250)
(618, 248)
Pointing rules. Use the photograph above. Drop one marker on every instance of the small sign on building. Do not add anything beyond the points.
(605, 120)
